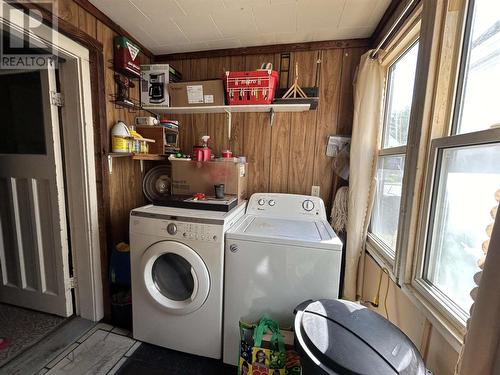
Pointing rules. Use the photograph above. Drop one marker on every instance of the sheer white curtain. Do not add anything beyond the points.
(368, 98)
(481, 353)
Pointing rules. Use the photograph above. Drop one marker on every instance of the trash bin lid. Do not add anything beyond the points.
(346, 337)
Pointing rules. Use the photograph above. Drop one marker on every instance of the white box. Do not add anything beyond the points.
(154, 85)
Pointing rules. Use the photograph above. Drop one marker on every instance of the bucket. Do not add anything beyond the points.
(120, 135)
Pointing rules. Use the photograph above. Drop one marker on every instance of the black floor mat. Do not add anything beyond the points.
(152, 360)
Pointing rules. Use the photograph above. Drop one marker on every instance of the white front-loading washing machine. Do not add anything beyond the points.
(177, 263)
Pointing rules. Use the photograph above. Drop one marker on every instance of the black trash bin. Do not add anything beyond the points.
(342, 337)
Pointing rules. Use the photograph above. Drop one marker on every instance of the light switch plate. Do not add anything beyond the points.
(315, 191)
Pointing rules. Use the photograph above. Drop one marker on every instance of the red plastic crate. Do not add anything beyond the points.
(252, 87)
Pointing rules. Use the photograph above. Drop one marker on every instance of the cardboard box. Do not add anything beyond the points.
(154, 84)
(198, 93)
(189, 177)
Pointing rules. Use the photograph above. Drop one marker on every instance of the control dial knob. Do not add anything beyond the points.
(261, 202)
(308, 205)
(272, 202)
(172, 229)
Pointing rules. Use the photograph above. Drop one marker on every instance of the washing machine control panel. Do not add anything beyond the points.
(192, 231)
(286, 205)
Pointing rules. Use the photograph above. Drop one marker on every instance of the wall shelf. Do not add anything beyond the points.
(230, 109)
(140, 157)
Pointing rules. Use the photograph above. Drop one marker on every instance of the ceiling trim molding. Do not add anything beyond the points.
(274, 48)
(89, 7)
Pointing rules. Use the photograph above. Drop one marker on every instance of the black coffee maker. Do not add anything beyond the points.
(156, 90)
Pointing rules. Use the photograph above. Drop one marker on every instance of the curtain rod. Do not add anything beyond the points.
(403, 14)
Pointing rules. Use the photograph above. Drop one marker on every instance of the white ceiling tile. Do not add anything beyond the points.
(258, 40)
(168, 34)
(157, 10)
(169, 26)
(280, 2)
(199, 28)
(224, 43)
(199, 6)
(276, 18)
(356, 14)
(184, 47)
(233, 4)
(348, 33)
(235, 22)
(321, 14)
(284, 38)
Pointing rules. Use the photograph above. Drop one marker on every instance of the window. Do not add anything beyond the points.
(464, 172)
(383, 231)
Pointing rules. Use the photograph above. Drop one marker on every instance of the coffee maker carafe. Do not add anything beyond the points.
(156, 90)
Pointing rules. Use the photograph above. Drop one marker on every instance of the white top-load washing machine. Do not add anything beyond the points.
(282, 252)
(177, 261)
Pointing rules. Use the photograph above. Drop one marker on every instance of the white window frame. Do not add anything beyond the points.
(439, 305)
(438, 299)
(382, 253)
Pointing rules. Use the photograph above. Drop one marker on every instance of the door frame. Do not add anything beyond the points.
(80, 163)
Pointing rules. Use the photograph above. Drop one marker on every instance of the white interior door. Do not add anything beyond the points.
(34, 252)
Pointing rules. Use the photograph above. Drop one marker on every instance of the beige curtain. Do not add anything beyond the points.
(481, 353)
(368, 95)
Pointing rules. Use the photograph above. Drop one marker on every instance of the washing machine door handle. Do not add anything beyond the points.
(195, 284)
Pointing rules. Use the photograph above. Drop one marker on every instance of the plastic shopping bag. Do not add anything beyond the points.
(258, 357)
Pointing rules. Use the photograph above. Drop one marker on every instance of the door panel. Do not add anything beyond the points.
(34, 250)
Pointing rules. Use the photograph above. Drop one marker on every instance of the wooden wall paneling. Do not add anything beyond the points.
(237, 63)
(217, 123)
(257, 149)
(87, 23)
(303, 129)
(280, 152)
(67, 10)
(257, 138)
(191, 127)
(326, 120)
(350, 61)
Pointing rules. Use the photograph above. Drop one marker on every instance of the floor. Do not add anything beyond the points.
(105, 349)
(23, 328)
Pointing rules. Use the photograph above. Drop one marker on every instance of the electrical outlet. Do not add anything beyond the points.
(315, 191)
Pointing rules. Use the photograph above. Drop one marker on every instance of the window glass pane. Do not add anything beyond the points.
(172, 276)
(399, 97)
(385, 216)
(480, 107)
(21, 111)
(468, 180)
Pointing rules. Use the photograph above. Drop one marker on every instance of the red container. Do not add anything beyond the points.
(252, 87)
(202, 153)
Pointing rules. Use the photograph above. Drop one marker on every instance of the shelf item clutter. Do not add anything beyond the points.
(127, 140)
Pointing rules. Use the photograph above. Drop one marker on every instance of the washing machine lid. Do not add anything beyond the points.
(296, 232)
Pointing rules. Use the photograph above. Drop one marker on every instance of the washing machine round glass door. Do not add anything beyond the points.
(175, 277)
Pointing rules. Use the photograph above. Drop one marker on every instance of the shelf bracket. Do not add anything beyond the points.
(229, 122)
(110, 164)
(271, 117)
